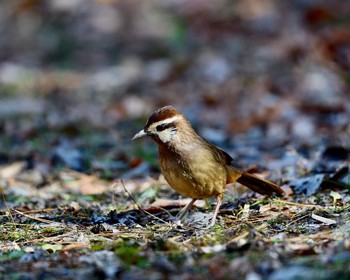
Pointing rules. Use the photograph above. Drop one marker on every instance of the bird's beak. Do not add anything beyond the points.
(140, 134)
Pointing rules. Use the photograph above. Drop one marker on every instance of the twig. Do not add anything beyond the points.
(246, 233)
(7, 207)
(113, 196)
(138, 206)
(297, 220)
(321, 235)
(74, 246)
(121, 234)
(295, 203)
(33, 218)
(47, 239)
(130, 196)
(40, 210)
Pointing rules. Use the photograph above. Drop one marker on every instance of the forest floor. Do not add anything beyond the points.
(268, 84)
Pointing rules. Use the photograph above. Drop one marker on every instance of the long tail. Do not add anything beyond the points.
(258, 184)
(254, 182)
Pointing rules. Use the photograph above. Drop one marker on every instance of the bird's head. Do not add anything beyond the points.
(165, 125)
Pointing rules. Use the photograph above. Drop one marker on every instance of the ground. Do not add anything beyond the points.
(266, 81)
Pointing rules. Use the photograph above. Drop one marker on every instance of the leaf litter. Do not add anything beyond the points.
(270, 90)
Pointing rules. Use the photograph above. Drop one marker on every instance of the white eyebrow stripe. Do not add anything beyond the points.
(166, 121)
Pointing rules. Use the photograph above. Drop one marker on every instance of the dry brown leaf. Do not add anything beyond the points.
(11, 170)
(92, 188)
(287, 190)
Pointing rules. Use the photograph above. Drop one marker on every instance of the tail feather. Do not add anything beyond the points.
(258, 184)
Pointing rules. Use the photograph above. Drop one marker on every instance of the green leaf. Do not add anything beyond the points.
(51, 248)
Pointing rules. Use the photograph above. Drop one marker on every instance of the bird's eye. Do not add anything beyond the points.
(160, 127)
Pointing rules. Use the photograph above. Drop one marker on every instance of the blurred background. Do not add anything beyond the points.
(266, 80)
(79, 77)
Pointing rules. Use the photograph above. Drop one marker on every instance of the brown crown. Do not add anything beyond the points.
(162, 114)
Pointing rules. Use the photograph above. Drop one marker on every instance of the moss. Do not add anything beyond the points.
(131, 254)
(11, 256)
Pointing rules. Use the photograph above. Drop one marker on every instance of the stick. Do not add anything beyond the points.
(34, 218)
(138, 206)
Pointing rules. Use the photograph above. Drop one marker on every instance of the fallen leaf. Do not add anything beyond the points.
(245, 211)
(9, 246)
(302, 247)
(287, 190)
(308, 185)
(170, 203)
(74, 206)
(11, 170)
(212, 249)
(336, 196)
(51, 248)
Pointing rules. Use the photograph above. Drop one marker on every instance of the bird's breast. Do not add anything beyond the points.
(196, 175)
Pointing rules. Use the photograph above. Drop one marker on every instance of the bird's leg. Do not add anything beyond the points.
(185, 210)
(218, 204)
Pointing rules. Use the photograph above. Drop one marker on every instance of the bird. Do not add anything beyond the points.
(193, 166)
